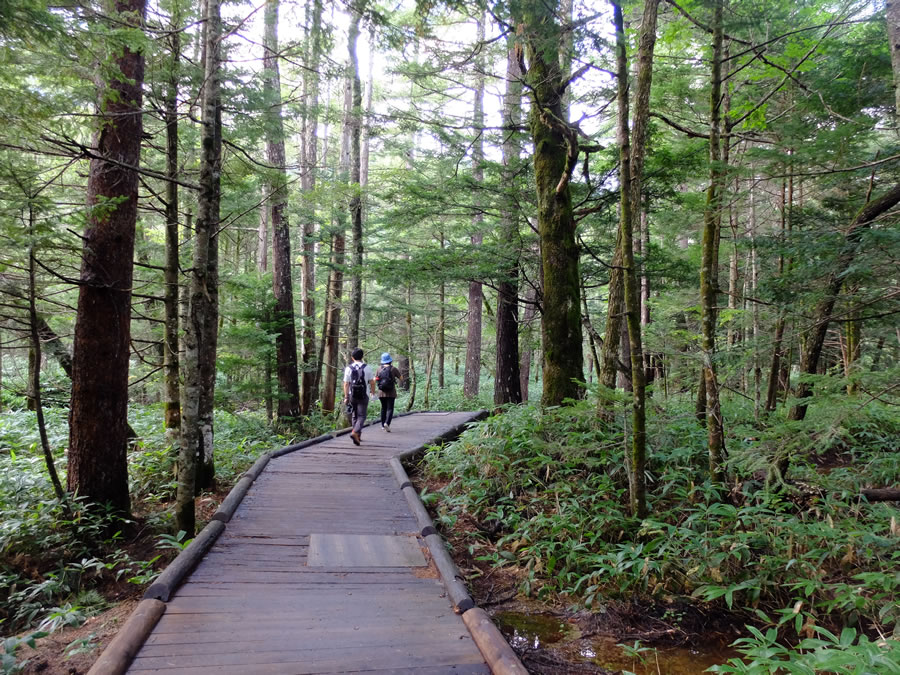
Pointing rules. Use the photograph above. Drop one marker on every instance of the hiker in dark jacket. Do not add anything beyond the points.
(386, 379)
(359, 387)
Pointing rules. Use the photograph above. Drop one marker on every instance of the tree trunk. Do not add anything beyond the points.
(333, 303)
(97, 468)
(442, 341)
(526, 350)
(852, 331)
(507, 384)
(754, 284)
(555, 153)
(637, 456)
(410, 376)
(170, 338)
(282, 281)
(609, 352)
(473, 336)
(709, 264)
(356, 226)
(205, 478)
(36, 372)
(201, 325)
(308, 184)
(892, 14)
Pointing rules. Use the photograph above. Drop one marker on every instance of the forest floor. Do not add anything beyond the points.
(555, 638)
(73, 650)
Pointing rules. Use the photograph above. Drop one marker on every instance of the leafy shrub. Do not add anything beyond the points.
(547, 491)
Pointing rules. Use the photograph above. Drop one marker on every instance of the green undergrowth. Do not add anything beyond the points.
(59, 565)
(548, 493)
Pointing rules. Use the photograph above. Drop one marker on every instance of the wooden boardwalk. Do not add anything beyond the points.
(319, 571)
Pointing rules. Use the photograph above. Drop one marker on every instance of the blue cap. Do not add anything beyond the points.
(386, 358)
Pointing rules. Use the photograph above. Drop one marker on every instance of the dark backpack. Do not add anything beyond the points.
(358, 381)
(386, 379)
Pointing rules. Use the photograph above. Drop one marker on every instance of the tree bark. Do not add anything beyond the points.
(525, 338)
(282, 280)
(338, 242)
(555, 153)
(442, 336)
(170, 338)
(201, 325)
(356, 225)
(507, 384)
(97, 468)
(472, 376)
(638, 454)
(892, 14)
(308, 184)
(709, 264)
(208, 208)
(36, 372)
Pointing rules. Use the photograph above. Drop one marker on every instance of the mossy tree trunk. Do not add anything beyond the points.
(200, 330)
(709, 258)
(627, 217)
(356, 225)
(555, 154)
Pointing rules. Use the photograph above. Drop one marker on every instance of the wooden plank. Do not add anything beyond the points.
(340, 659)
(363, 550)
(300, 669)
(237, 640)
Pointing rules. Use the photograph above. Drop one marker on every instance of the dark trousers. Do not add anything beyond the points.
(358, 417)
(387, 411)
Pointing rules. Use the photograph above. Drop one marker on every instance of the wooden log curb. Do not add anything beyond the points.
(171, 578)
(496, 651)
(117, 656)
(232, 501)
(494, 647)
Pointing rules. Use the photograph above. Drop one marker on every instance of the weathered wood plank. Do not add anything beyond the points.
(301, 669)
(339, 659)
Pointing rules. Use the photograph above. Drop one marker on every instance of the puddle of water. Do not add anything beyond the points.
(534, 630)
(545, 630)
(668, 660)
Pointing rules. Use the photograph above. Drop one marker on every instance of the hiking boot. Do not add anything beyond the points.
(354, 436)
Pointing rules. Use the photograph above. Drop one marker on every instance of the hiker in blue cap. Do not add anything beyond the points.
(386, 380)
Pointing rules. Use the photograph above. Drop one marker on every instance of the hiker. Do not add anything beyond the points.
(386, 379)
(359, 386)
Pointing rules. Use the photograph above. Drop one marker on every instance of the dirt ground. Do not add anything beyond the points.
(73, 650)
(52, 653)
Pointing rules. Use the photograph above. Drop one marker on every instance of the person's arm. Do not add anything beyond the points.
(346, 387)
(372, 386)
